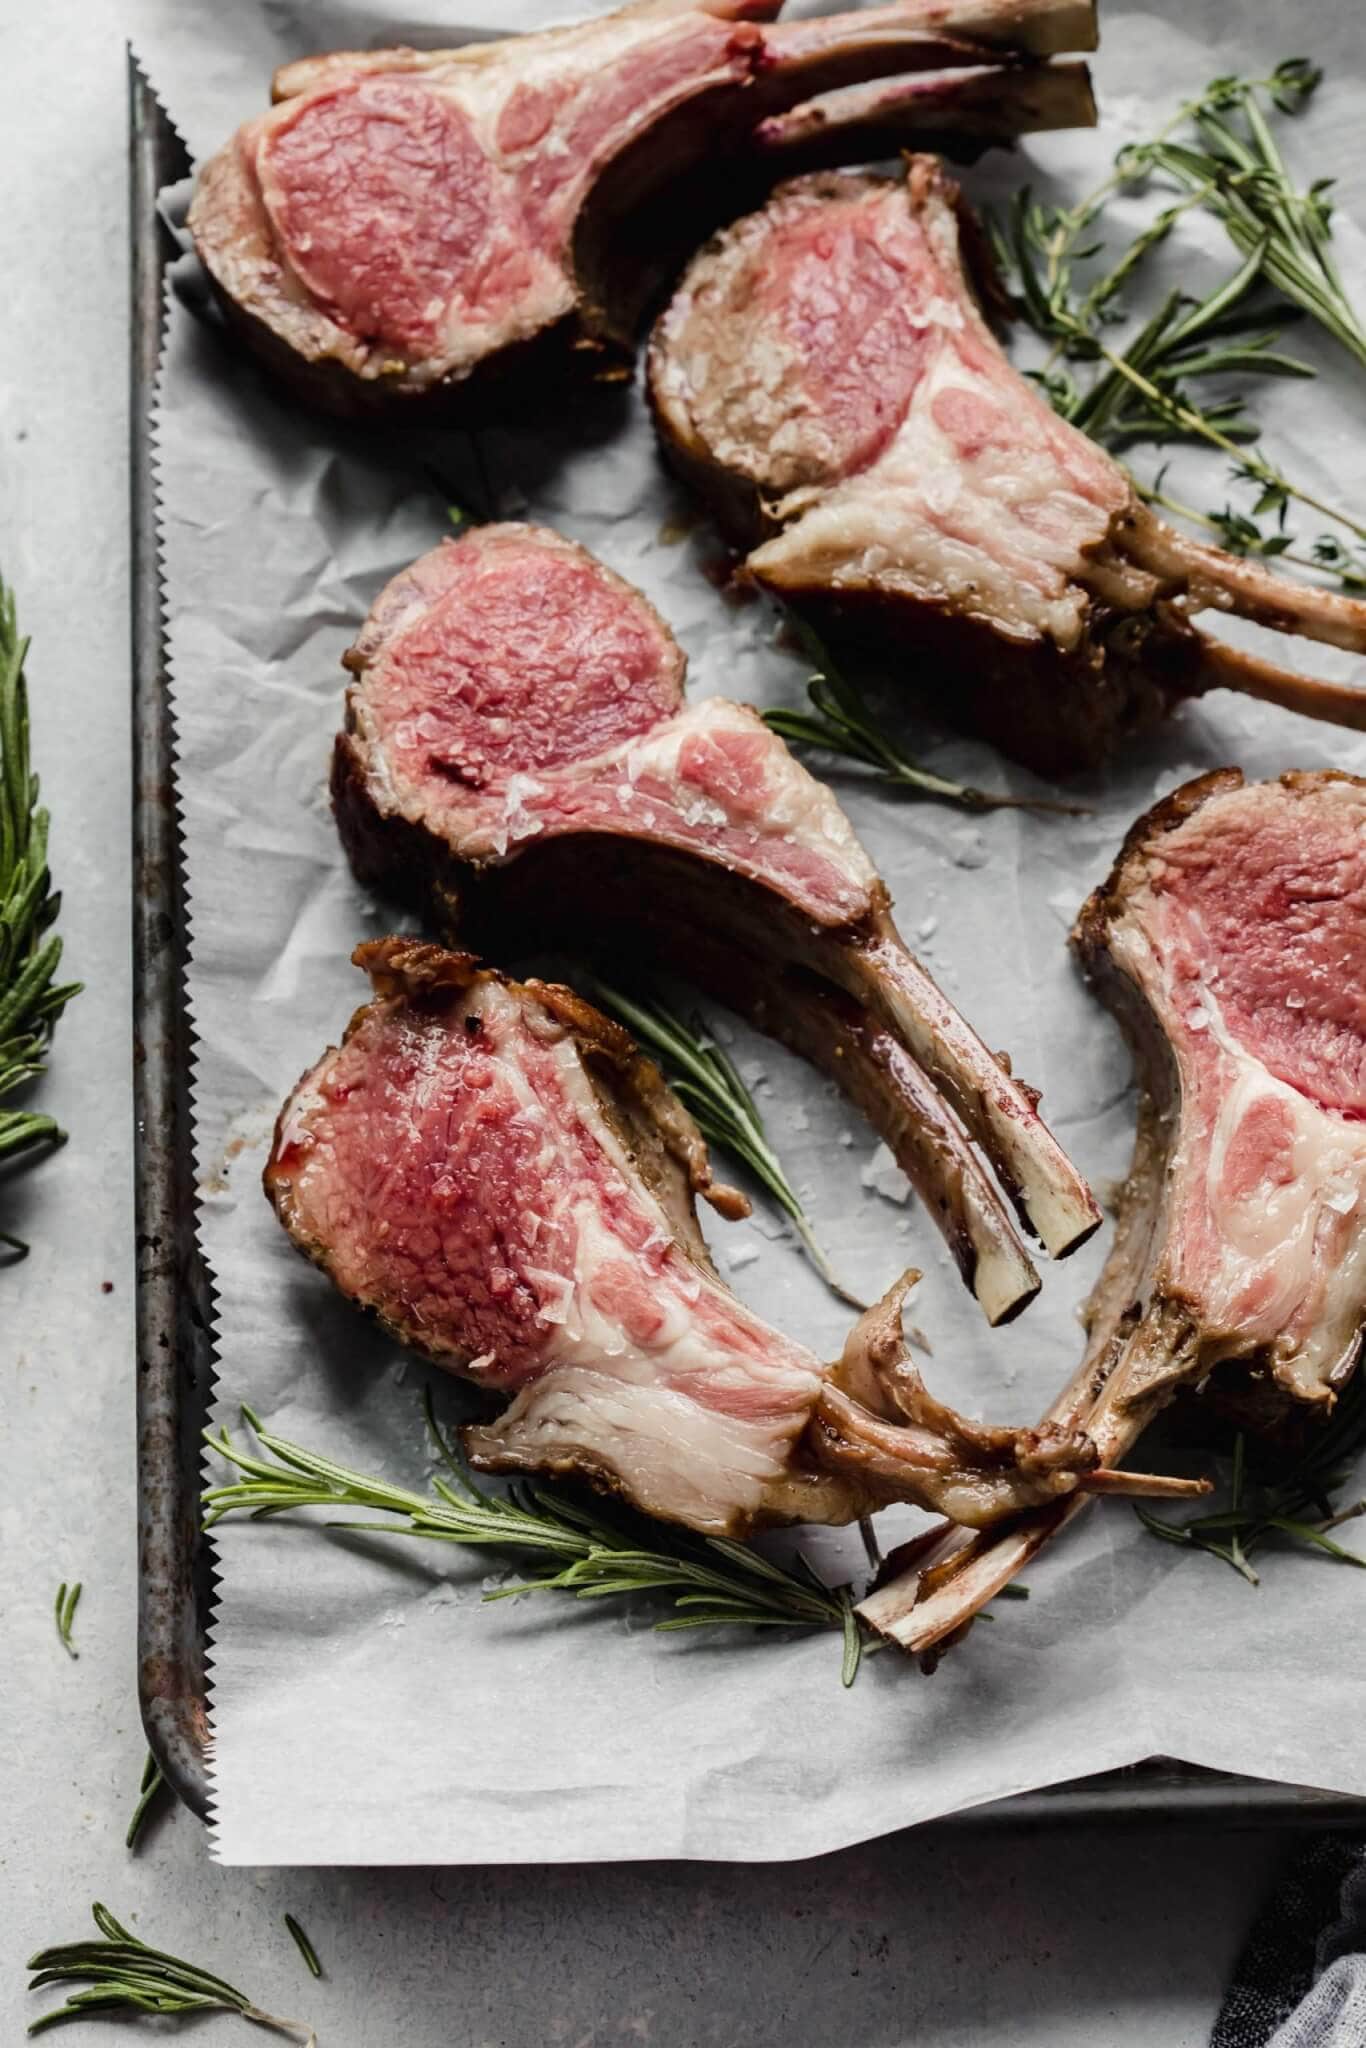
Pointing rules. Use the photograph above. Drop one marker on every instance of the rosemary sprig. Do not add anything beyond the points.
(64, 1613)
(304, 1946)
(710, 1582)
(152, 1783)
(703, 1075)
(125, 1976)
(1240, 176)
(31, 999)
(1297, 1505)
(841, 722)
(1151, 389)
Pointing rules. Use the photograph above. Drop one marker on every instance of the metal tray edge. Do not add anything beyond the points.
(174, 1291)
(174, 1302)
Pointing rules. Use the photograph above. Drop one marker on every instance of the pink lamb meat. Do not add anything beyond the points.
(1230, 941)
(492, 1170)
(401, 220)
(826, 377)
(518, 759)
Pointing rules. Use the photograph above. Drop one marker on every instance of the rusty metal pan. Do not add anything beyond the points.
(174, 1291)
(174, 1353)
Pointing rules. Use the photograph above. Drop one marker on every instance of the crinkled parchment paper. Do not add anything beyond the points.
(366, 1706)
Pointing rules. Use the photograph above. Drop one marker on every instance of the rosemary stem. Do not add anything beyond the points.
(821, 1263)
(1078, 216)
(296, 2030)
(707, 1080)
(709, 1581)
(1196, 423)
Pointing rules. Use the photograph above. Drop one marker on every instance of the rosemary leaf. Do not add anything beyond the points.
(304, 1946)
(706, 1079)
(1241, 177)
(708, 1582)
(151, 1785)
(64, 1611)
(853, 1643)
(123, 1975)
(31, 998)
(1220, 152)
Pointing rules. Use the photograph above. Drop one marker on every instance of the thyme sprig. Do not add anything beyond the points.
(124, 1975)
(704, 1076)
(840, 721)
(1152, 389)
(64, 1613)
(709, 1582)
(31, 999)
(1296, 1505)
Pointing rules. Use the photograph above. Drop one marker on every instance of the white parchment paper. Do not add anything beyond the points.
(366, 1706)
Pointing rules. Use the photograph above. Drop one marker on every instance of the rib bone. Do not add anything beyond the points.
(1230, 941)
(494, 1171)
(885, 117)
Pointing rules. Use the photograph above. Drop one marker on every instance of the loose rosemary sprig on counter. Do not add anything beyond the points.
(1297, 1505)
(124, 1976)
(31, 999)
(704, 1076)
(710, 1582)
(64, 1613)
(148, 1791)
(1150, 390)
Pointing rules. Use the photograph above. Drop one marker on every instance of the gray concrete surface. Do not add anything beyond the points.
(1055, 1940)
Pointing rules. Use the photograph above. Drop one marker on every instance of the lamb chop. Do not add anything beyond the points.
(518, 763)
(495, 1172)
(1230, 941)
(825, 376)
(457, 224)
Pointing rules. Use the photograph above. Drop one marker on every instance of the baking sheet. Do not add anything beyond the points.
(366, 1706)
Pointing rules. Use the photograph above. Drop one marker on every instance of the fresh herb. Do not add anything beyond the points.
(304, 1946)
(125, 1976)
(841, 722)
(1296, 1505)
(152, 1783)
(704, 1076)
(710, 1582)
(64, 1612)
(31, 999)
(1239, 175)
(1151, 390)
(1348, 566)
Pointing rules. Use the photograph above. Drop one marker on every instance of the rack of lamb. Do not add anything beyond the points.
(519, 765)
(826, 378)
(1230, 942)
(493, 1170)
(468, 226)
